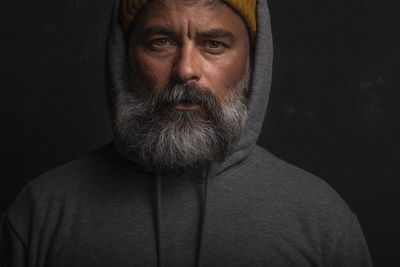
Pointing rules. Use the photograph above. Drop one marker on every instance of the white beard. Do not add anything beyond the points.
(179, 139)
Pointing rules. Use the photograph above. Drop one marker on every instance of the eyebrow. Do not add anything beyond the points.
(217, 33)
(165, 30)
(158, 29)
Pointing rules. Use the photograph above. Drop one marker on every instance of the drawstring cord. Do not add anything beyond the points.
(159, 230)
(159, 221)
(203, 220)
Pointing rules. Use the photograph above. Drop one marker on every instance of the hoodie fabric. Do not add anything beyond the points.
(252, 209)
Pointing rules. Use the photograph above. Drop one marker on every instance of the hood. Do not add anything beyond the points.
(116, 66)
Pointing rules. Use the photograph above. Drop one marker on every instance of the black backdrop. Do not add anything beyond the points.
(333, 108)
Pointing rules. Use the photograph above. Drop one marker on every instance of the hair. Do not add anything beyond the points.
(159, 136)
(213, 3)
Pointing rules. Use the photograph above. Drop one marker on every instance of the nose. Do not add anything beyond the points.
(188, 65)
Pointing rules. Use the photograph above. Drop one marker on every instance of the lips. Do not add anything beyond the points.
(186, 106)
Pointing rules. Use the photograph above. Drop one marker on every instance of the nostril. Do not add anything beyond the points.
(176, 79)
(182, 78)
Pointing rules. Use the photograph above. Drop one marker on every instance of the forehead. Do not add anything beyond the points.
(204, 3)
(193, 13)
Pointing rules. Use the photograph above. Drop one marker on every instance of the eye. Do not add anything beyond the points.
(214, 47)
(214, 44)
(159, 42)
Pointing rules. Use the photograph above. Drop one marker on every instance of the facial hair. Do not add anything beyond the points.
(153, 131)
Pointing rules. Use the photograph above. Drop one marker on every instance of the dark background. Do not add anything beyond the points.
(333, 108)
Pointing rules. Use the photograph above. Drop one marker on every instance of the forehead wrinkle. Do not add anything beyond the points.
(165, 13)
(210, 3)
(206, 3)
(162, 22)
(162, 5)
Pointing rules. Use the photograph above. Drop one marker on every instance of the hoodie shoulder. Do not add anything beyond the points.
(285, 183)
(282, 172)
(98, 169)
(65, 180)
(77, 188)
(291, 206)
(71, 175)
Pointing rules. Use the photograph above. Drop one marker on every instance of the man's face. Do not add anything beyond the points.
(184, 102)
(173, 40)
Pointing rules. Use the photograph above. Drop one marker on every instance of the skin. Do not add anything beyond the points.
(189, 43)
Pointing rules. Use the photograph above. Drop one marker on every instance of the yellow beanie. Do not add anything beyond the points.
(246, 8)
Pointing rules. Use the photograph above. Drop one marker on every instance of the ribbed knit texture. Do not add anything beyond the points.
(129, 8)
(245, 8)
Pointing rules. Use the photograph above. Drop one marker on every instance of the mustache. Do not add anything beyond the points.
(193, 93)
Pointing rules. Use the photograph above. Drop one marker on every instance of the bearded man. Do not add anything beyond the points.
(183, 183)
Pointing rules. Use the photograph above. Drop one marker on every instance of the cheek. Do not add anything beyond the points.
(226, 73)
(156, 72)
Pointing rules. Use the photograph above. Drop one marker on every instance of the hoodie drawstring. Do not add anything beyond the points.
(159, 224)
(203, 220)
(159, 221)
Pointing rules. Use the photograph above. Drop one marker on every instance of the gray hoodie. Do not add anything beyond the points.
(252, 209)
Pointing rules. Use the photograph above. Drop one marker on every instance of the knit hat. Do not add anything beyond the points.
(245, 8)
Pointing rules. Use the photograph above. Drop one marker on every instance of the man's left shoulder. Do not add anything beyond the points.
(268, 167)
(296, 187)
(293, 206)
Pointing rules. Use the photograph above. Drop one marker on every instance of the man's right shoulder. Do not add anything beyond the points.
(70, 180)
(71, 174)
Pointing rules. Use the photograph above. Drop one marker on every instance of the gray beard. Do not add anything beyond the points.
(154, 132)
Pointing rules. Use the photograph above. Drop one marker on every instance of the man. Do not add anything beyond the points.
(184, 183)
